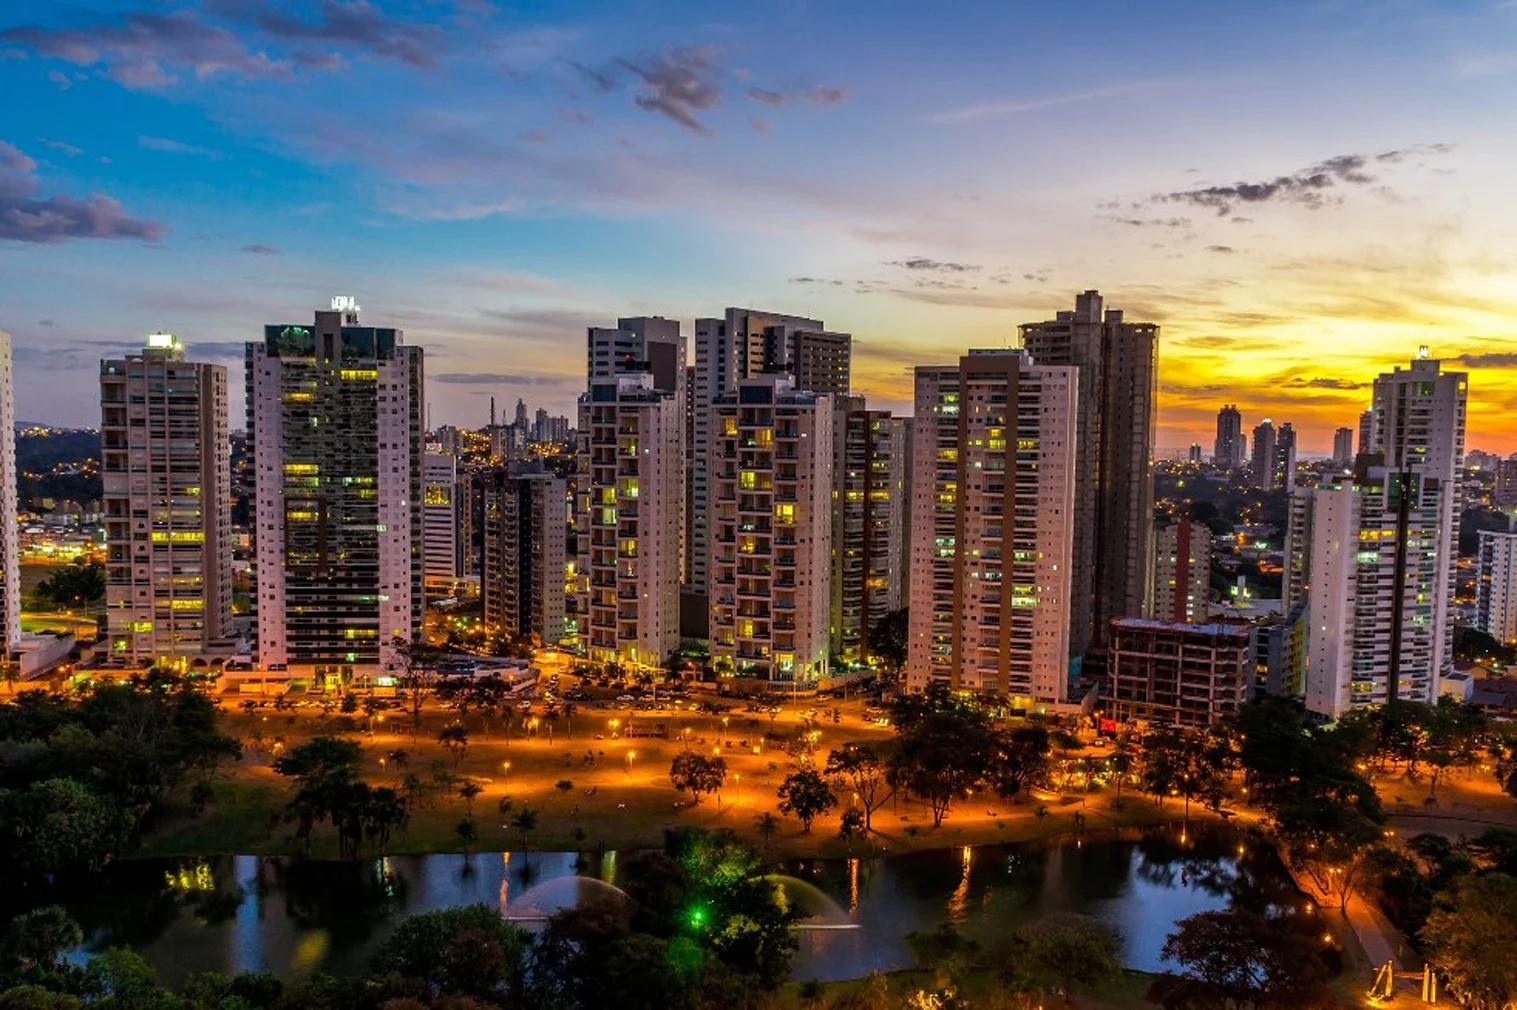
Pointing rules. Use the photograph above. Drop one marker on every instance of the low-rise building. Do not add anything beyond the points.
(1177, 674)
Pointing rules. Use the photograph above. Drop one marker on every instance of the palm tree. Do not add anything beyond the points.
(383, 813)
(525, 821)
(767, 824)
(456, 739)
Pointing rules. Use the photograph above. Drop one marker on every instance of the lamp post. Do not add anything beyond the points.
(631, 756)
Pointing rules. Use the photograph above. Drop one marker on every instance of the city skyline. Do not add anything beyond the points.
(242, 167)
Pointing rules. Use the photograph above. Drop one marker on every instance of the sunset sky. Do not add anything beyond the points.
(1300, 193)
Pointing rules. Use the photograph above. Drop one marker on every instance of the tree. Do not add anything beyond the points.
(944, 747)
(468, 832)
(456, 739)
(697, 773)
(1329, 841)
(326, 773)
(469, 951)
(851, 827)
(74, 586)
(35, 941)
(1069, 951)
(1238, 957)
(887, 639)
(945, 952)
(806, 795)
(1181, 763)
(766, 824)
(1471, 942)
(863, 767)
(468, 791)
(1124, 755)
(525, 821)
(1021, 760)
(418, 672)
(383, 814)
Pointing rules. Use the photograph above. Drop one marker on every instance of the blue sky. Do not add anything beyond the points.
(1301, 193)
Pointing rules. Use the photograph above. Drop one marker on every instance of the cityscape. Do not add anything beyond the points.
(1115, 646)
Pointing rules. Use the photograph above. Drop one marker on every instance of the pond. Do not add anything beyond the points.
(247, 913)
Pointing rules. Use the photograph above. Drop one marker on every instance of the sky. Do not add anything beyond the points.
(1300, 193)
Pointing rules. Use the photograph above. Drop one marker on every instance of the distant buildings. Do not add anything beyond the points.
(1178, 674)
(1505, 492)
(1343, 448)
(1274, 459)
(1496, 586)
(523, 578)
(993, 517)
(166, 473)
(1114, 428)
(1228, 450)
(1182, 572)
(1376, 551)
(442, 508)
(335, 421)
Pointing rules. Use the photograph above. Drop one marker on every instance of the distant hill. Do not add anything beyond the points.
(58, 463)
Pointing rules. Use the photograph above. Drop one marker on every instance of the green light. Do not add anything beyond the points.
(697, 917)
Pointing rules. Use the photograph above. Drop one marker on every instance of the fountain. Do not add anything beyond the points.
(819, 913)
(539, 903)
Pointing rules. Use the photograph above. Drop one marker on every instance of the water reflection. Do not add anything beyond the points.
(250, 913)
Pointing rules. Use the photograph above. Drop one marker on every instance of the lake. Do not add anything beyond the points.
(246, 913)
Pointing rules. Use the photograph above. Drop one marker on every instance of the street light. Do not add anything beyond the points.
(631, 754)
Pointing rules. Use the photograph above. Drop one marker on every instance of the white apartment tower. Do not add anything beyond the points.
(771, 531)
(629, 520)
(442, 546)
(10, 564)
(1380, 549)
(335, 420)
(1496, 590)
(992, 513)
(166, 474)
(868, 484)
(744, 343)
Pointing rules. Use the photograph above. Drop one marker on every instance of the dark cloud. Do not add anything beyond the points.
(923, 263)
(600, 80)
(1310, 187)
(1325, 383)
(815, 280)
(827, 96)
(149, 50)
(263, 250)
(354, 24)
(48, 323)
(678, 83)
(766, 96)
(26, 216)
(1490, 359)
(497, 379)
(1226, 250)
(1152, 222)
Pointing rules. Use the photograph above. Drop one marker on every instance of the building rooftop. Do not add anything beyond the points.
(1215, 629)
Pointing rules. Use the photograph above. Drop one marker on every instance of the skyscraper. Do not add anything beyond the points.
(649, 344)
(771, 531)
(1379, 575)
(1182, 571)
(1227, 453)
(166, 473)
(1114, 434)
(10, 546)
(739, 346)
(1366, 431)
(1496, 586)
(335, 420)
(1264, 459)
(1285, 458)
(627, 520)
(867, 471)
(523, 578)
(1343, 448)
(1505, 491)
(993, 515)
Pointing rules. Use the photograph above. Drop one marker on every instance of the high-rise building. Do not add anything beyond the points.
(649, 344)
(525, 570)
(1114, 490)
(867, 483)
(1182, 572)
(166, 472)
(10, 546)
(815, 360)
(335, 421)
(1366, 431)
(1343, 448)
(442, 546)
(628, 522)
(993, 522)
(1381, 545)
(1496, 588)
(1179, 674)
(1505, 491)
(771, 531)
(1264, 458)
(1227, 452)
(521, 417)
(1285, 458)
(741, 345)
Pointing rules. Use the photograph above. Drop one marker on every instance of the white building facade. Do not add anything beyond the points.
(1496, 589)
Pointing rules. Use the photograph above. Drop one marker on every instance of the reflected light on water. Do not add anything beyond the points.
(853, 886)
(958, 901)
(505, 881)
(310, 951)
